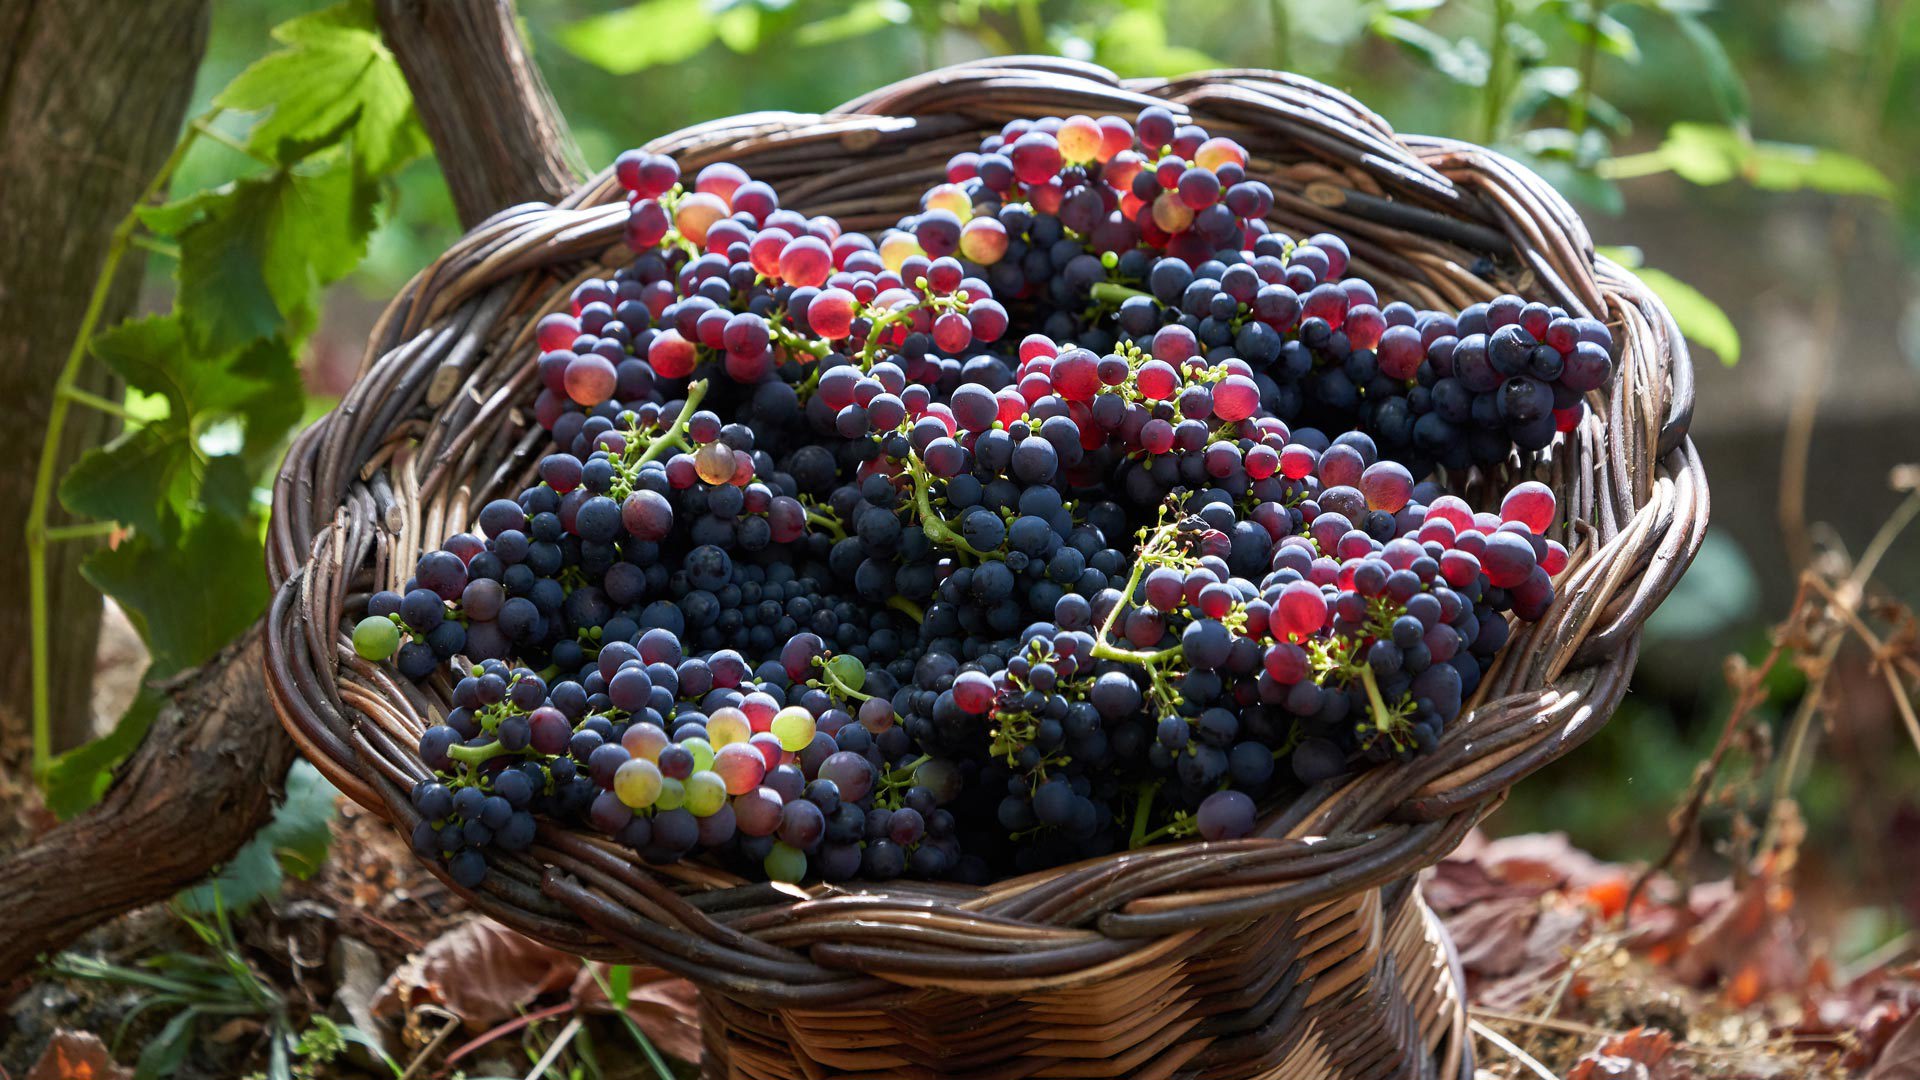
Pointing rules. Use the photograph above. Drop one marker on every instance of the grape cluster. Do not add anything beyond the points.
(829, 573)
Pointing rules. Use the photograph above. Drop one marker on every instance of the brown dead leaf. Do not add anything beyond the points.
(1492, 934)
(77, 1055)
(1901, 1059)
(1748, 945)
(667, 1009)
(481, 972)
(1640, 1054)
(1457, 883)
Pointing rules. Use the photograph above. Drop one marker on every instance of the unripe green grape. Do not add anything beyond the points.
(706, 794)
(637, 783)
(848, 671)
(673, 795)
(794, 727)
(785, 863)
(376, 638)
(702, 752)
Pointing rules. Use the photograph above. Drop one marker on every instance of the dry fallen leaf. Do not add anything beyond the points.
(666, 1009)
(481, 972)
(1640, 1054)
(77, 1055)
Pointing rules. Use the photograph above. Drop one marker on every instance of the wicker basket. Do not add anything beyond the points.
(1304, 951)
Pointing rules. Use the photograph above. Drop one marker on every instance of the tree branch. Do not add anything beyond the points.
(495, 130)
(204, 779)
(207, 774)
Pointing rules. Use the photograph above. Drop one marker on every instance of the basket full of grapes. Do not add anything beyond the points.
(1011, 577)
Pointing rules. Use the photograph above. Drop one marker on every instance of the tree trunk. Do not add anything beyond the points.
(91, 97)
(494, 127)
(206, 776)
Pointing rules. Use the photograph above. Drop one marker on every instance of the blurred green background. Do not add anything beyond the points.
(1762, 153)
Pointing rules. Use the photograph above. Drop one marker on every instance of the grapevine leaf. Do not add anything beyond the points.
(335, 76)
(255, 252)
(187, 596)
(143, 478)
(258, 383)
(78, 778)
(294, 842)
(647, 34)
(1699, 318)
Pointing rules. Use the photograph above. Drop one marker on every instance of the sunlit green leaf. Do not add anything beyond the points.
(336, 75)
(1134, 43)
(645, 35)
(738, 27)
(1709, 154)
(1699, 318)
(255, 253)
(856, 21)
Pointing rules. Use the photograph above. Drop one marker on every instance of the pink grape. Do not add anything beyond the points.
(1531, 504)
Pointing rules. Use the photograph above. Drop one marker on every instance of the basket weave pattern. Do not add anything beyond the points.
(1303, 951)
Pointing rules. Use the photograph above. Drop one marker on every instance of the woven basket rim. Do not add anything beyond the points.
(407, 456)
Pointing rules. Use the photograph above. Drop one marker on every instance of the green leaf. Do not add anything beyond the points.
(168, 1050)
(294, 842)
(187, 596)
(1464, 61)
(256, 252)
(1614, 37)
(1134, 43)
(1709, 154)
(1729, 91)
(336, 77)
(1778, 166)
(738, 27)
(143, 478)
(648, 34)
(259, 383)
(1699, 318)
(78, 778)
(858, 20)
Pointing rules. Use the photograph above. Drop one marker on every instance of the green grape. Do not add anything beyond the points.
(376, 638)
(706, 794)
(785, 863)
(794, 727)
(673, 795)
(637, 783)
(848, 671)
(702, 752)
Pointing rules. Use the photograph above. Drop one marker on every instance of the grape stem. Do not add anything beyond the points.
(476, 755)
(827, 522)
(827, 676)
(936, 527)
(907, 607)
(676, 436)
(1112, 292)
(1375, 702)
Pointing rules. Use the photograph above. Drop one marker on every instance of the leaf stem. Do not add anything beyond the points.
(36, 524)
(81, 531)
(94, 401)
(1577, 109)
(1496, 99)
